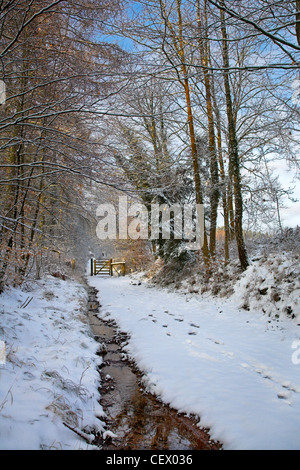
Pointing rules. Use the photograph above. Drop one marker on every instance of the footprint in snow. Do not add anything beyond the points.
(291, 387)
(287, 389)
(264, 373)
(228, 354)
(287, 394)
(215, 341)
(152, 317)
(286, 397)
(28, 375)
(171, 314)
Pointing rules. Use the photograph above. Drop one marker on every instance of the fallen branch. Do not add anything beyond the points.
(87, 437)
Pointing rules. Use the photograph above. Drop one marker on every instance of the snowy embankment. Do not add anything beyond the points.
(48, 378)
(238, 371)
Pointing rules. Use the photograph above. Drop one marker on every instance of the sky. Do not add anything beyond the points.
(291, 213)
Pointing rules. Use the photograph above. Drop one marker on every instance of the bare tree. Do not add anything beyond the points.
(234, 158)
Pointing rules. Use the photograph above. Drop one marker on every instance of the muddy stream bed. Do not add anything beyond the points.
(139, 419)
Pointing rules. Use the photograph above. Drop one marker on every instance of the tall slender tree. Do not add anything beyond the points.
(202, 20)
(234, 158)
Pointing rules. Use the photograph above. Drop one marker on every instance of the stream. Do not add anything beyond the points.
(138, 419)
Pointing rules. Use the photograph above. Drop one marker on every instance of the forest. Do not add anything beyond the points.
(164, 101)
(158, 138)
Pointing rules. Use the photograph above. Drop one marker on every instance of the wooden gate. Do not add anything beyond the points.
(105, 267)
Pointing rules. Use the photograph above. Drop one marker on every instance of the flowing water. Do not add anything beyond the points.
(139, 419)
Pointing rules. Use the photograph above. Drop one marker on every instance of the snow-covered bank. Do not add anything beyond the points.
(270, 285)
(50, 372)
(238, 371)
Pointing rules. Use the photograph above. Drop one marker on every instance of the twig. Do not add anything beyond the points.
(86, 437)
(26, 303)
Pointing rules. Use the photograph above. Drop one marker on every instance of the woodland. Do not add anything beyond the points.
(165, 101)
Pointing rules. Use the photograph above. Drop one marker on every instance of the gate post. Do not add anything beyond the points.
(110, 267)
(91, 266)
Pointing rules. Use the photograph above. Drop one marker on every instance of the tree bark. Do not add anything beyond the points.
(178, 45)
(214, 171)
(233, 152)
(298, 21)
(222, 177)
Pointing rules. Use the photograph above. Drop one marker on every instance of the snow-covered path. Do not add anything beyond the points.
(235, 370)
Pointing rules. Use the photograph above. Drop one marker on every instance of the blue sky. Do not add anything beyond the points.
(290, 215)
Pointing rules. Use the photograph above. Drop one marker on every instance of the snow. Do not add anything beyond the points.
(237, 370)
(271, 285)
(49, 376)
(207, 357)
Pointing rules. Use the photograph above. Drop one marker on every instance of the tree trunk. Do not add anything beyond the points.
(233, 153)
(178, 45)
(214, 171)
(298, 21)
